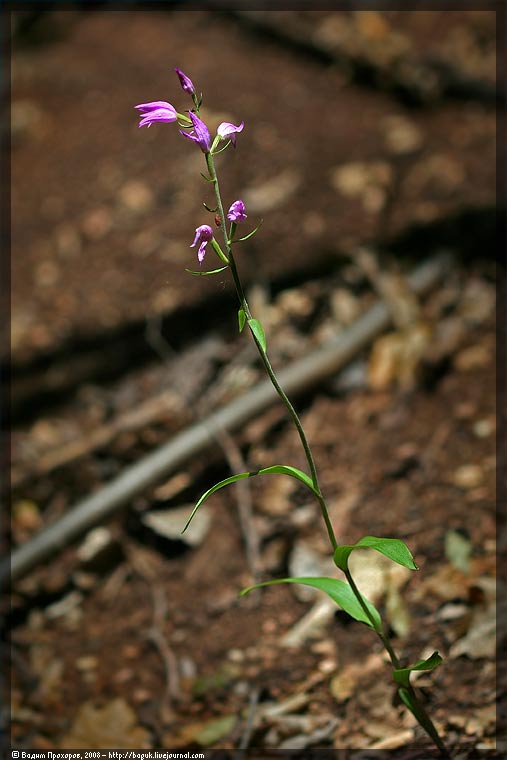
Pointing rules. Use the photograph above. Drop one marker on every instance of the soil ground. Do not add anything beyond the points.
(144, 643)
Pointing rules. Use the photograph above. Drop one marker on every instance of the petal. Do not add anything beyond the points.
(201, 253)
(201, 131)
(160, 114)
(154, 105)
(226, 129)
(190, 137)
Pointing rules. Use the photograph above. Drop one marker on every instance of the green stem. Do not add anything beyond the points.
(422, 718)
(385, 641)
(420, 713)
(267, 364)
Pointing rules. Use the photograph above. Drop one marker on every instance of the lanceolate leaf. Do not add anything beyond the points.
(402, 675)
(258, 331)
(277, 469)
(339, 591)
(420, 715)
(245, 237)
(241, 319)
(392, 548)
(200, 273)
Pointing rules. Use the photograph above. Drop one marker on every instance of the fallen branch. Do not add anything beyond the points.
(137, 478)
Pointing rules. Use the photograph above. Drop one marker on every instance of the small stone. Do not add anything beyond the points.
(64, 606)
(47, 274)
(236, 655)
(367, 181)
(87, 662)
(97, 223)
(100, 550)
(27, 120)
(327, 666)
(484, 428)
(344, 305)
(304, 561)
(473, 357)
(468, 476)
(26, 515)
(401, 134)
(68, 241)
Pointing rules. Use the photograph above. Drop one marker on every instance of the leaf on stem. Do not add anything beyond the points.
(409, 700)
(216, 152)
(402, 675)
(393, 548)
(339, 591)
(208, 179)
(250, 234)
(277, 469)
(201, 273)
(241, 319)
(258, 331)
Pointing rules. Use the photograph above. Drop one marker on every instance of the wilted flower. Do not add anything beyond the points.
(236, 212)
(227, 131)
(186, 82)
(200, 133)
(203, 235)
(157, 110)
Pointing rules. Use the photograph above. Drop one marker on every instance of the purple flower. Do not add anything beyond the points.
(186, 82)
(236, 212)
(200, 133)
(157, 110)
(203, 235)
(227, 131)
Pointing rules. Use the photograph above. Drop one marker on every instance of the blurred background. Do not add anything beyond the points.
(369, 146)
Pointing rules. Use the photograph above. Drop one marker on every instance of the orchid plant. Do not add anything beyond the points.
(344, 593)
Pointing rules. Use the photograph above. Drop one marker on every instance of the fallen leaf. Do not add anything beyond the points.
(458, 549)
(399, 739)
(480, 639)
(207, 733)
(169, 523)
(113, 726)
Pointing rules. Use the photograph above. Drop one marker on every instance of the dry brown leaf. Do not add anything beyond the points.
(112, 726)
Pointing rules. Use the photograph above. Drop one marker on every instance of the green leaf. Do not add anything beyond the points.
(410, 701)
(216, 152)
(285, 469)
(208, 179)
(250, 234)
(393, 548)
(258, 331)
(402, 675)
(241, 319)
(277, 469)
(339, 591)
(406, 698)
(201, 273)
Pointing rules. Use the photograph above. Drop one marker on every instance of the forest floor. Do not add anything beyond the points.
(134, 636)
